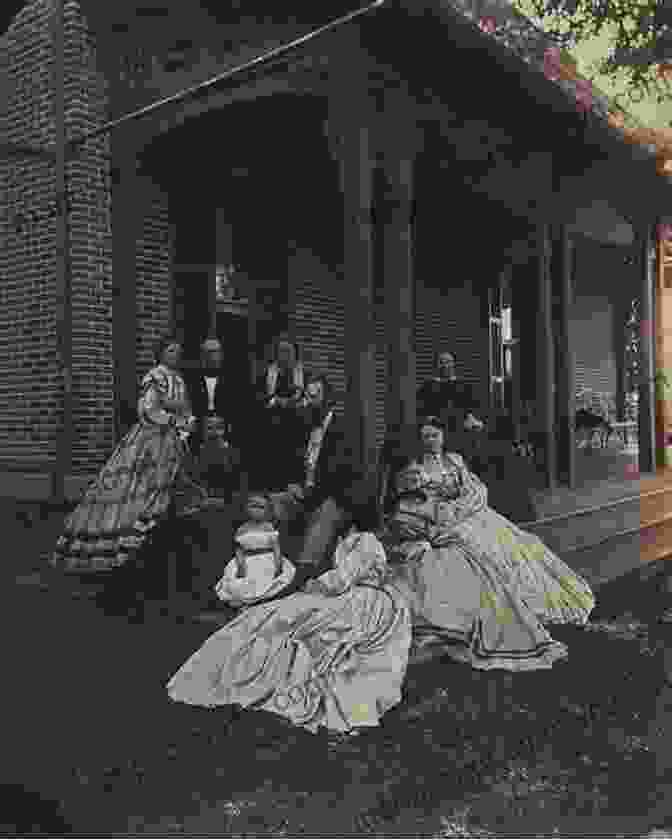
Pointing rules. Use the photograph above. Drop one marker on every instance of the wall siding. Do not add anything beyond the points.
(601, 279)
(450, 318)
(319, 323)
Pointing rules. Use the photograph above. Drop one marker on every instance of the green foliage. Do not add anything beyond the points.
(640, 32)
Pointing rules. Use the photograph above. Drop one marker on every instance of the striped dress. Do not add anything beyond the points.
(132, 492)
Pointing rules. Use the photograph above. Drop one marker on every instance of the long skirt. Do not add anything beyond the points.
(130, 496)
(337, 662)
(486, 589)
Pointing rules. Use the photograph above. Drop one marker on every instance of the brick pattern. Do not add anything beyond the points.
(153, 266)
(30, 385)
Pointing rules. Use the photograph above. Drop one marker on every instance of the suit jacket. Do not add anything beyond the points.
(338, 475)
(223, 403)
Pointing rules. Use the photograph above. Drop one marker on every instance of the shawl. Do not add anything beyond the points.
(434, 522)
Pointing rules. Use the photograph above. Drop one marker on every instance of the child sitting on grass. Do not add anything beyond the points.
(257, 570)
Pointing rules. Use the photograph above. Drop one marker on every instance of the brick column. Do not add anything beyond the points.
(126, 231)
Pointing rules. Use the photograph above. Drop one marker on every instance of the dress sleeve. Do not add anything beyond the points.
(473, 493)
(150, 405)
(356, 558)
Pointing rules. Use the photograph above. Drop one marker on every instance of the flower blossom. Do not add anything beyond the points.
(584, 94)
(488, 25)
(552, 63)
(665, 232)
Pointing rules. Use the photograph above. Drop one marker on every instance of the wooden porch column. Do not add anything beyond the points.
(646, 408)
(663, 352)
(621, 306)
(126, 225)
(350, 134)
(396, 228)
(223, 258)
(546, 379)
(566, 366)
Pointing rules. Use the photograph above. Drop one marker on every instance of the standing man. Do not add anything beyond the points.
(207, 391)
(214, 401)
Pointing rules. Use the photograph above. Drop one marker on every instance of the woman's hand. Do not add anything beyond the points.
(314, 587)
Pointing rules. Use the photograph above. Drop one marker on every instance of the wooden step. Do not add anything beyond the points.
(604, 541)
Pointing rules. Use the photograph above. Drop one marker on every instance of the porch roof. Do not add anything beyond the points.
(437, 45)
(466, 67)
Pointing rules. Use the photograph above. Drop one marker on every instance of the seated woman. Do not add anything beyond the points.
(333, 655)
(474, 579)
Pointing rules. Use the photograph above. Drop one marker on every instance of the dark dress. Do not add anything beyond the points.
(276, 458)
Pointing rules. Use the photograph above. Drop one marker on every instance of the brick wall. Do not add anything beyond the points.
(30, 389)
(153, 266)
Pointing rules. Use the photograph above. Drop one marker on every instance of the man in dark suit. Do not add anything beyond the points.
(215, 400)
(207, 390)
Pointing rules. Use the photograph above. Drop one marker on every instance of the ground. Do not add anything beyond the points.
(580, 750)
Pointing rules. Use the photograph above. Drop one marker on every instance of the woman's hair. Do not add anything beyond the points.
(162, 343)
(431, 420)
(284, 338)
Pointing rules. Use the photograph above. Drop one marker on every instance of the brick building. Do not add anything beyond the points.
(271, 175)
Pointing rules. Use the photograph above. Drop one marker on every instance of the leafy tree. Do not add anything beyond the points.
(641, 37)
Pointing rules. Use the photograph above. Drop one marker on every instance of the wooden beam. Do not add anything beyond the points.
(546, 378)
(350, 134)
(396, 228)
(663, 344)
(646, 407)
(565, 360)
(63, 278)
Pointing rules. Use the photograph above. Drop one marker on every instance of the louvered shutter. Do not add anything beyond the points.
(450, 319)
